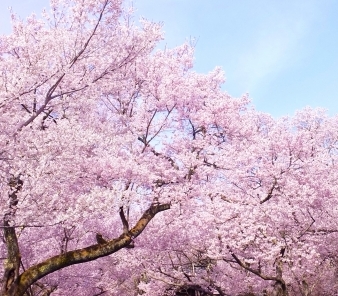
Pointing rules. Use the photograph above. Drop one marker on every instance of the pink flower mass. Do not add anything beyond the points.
(124, 172)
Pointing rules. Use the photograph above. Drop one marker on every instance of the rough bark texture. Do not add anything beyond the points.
(12, 263)
(16, 284)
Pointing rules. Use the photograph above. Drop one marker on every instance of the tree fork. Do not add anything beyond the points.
(36, 272)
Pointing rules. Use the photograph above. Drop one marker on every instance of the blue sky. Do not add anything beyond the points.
(284, 53)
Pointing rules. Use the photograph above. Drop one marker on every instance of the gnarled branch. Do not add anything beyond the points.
(36, 272)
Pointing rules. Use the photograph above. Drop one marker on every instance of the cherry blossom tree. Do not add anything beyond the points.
(84, 104)
(266, 223)
(124, 172)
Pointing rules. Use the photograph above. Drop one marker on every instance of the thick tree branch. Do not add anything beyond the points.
(34, 273)
(146, 218)
(12, 263)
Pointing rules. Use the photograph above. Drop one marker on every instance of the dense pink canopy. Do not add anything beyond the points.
(124, 172)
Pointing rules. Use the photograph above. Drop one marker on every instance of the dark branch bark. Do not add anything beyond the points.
(48, 98)
(12, 264)
(270, 191)
(124, 221)
(219, 290)
(36, 272)
(49, 95)
(90, 37)
(307, 229)
(278, 279)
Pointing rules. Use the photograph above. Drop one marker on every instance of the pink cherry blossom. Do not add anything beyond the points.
(124, 172)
